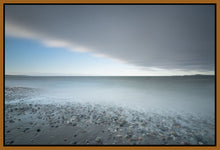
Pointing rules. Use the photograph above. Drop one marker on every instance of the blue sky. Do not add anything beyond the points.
(127, 40)
(30, 57)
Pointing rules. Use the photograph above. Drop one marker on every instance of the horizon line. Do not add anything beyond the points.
(108, 75)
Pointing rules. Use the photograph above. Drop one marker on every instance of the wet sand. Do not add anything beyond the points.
(94, 124)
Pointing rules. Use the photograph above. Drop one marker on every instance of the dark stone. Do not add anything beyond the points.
(38, 130)
(11, 121)
(87, 142)
(98, 139)
(74, 124)
(123, 122)
(75, 143)
(26, 129)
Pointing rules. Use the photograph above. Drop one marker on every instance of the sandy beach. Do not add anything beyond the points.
(95, 124)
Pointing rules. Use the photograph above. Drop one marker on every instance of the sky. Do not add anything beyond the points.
(110, 40)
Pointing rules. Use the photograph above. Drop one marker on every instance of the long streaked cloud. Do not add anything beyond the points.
(170, 37)
(14, 30)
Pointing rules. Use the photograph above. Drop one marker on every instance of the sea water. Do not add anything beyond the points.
(179, 94)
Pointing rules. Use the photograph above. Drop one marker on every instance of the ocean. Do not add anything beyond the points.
(177, 94)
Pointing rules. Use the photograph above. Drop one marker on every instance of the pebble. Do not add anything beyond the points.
(122, 123)
(38, 130)
(173, 133)
(11, 121)
(130, 132)
(98, 139)
(26, 129)
(83, 131)
(200, 143)
(140, 138)
(119, 136)
(127, 136)
(87, 142)
(65, 139)
(74, 142)
(143, 124)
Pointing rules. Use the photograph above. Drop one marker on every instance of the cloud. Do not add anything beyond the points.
(169, 37)
(63, 44)
(12, 29)
(54, 43)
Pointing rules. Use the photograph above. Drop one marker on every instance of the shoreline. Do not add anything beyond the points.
(88, 124)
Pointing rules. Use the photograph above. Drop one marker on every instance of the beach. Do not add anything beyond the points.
(86, 124)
